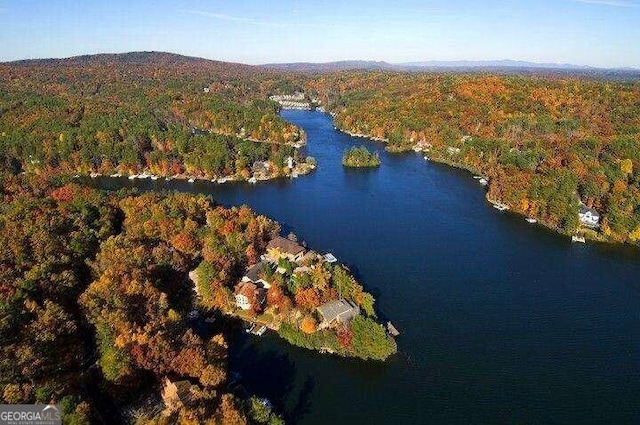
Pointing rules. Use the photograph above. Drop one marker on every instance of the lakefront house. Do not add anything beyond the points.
(254, 275)
(249, 296)
(337, 312)
(280, 247)
(588, 216)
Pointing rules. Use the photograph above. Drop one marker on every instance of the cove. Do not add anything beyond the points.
(501, 321)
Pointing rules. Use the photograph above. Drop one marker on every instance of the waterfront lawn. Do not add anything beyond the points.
(363, 338)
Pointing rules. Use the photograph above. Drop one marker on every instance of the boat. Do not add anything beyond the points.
(133, 176)
(154, 177)
(191, 180)
(576, 238)
(253, 180)
(426, 158)
(483, 181)
(294, 175)
(222, 180)
(477, 177)
(260, 331)
(531, 220)
(94, 175)
(266, 403)
(250, 328)
(116, 175)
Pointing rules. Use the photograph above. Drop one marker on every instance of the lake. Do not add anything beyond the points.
(501, 321)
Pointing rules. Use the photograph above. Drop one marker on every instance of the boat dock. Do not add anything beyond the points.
(392, 330)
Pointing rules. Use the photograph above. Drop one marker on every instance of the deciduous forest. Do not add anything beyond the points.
(95, 286)
(545, 143)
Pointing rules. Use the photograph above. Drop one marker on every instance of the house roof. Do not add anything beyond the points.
(253, 272)
(310, 256)
(182, 388)
(585, 209)
(248, 289)
(331, 310)
(260, 166)
(285, 245)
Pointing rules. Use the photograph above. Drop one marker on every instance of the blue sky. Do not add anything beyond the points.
(602, 33)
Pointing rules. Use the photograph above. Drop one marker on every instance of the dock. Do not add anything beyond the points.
(392, 329)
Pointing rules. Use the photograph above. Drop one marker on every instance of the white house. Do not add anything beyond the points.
(249, 296)
(588, 216)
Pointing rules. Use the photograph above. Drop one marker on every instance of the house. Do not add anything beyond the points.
(337, 312)
(301, 270)
(249, 296)
(176, 394)
(280, 247)
(253, 274)
(588, 216)
(310, 257)
(198, 132)
(261, 169)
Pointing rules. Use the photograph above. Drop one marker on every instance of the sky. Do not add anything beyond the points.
(602, 33)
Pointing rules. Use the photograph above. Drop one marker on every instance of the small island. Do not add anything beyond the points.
(360, 157)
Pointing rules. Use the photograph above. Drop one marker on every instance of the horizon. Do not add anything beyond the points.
(435, 63)
(593, 33)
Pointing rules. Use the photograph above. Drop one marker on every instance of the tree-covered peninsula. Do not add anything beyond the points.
(158, 113)
(100, 291)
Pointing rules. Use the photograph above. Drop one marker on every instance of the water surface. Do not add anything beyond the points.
(501, 321)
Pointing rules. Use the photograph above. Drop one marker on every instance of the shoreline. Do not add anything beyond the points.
(324, 335)
(582, 230)
(236, 178)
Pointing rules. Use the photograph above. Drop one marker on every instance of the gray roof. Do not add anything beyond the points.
(585, 209)
(253, 272)
(338, 309)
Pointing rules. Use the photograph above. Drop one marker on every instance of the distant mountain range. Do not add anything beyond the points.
(505, 65)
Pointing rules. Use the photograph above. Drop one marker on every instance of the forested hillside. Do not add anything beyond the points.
(545, 143)
(165, 113)
(96, 296)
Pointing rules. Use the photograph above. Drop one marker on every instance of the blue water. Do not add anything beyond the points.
(501, 321)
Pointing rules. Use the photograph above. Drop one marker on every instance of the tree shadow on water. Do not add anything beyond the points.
(271, 373)
(302, 403)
